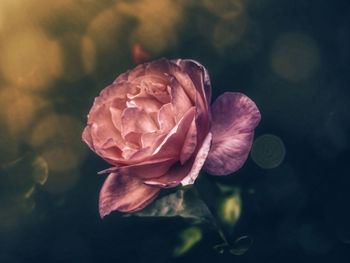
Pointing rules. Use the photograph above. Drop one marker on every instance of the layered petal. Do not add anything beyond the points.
(166, 117)
(190, 143)
(185, 174)
(198, 162)
(125, 194)
(234, 118)
(172, 144)
(199, 76)
(144, 170)
(179, 100)
(137, 120)
(173, 177)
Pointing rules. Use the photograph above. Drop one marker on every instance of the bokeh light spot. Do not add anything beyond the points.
(30, 60)
(295, 57)
(18, 109)
(268, 151)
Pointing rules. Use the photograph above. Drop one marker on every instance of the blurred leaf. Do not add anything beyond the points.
(241, 245)
(189, 237)
(27, 169)
(230, 206)
(30, 192)
(182, 203)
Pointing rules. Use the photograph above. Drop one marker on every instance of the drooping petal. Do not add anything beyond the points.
(144, 170)
(125, 194)
(234, 118)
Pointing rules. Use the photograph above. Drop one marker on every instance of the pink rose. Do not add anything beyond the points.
(155, 125)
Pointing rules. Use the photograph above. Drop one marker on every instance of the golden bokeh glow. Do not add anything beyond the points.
(18, 109)
(30, 60)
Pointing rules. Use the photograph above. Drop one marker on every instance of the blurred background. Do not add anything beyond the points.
(290, 199)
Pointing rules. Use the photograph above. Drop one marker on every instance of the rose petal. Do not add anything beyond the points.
(199, 161)
(157, 90)
(166, 117)
(172, 144)
(234, 118)
(199, 75)
(144, 170)
(86, 136)
(190, 143)
(173, 177)
(186, 83)
(185, 174)
(152, 139)
(124, 193)
(116, 117)
(158, 67)
(147, 104)
(179, 99)
(136, 120)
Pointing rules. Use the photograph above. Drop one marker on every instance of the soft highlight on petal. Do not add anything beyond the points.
(234, 118)
(199, 161)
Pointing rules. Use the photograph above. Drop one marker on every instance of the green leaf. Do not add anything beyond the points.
(189, 237)
(182, 203)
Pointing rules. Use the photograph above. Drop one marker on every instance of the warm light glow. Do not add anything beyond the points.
(18, 109)
(30, 60)
(57, 137)
(88, 54)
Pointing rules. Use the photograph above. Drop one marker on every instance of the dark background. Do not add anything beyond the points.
(290, 57)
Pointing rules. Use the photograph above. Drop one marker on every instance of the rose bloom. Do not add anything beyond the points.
(154, 124)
